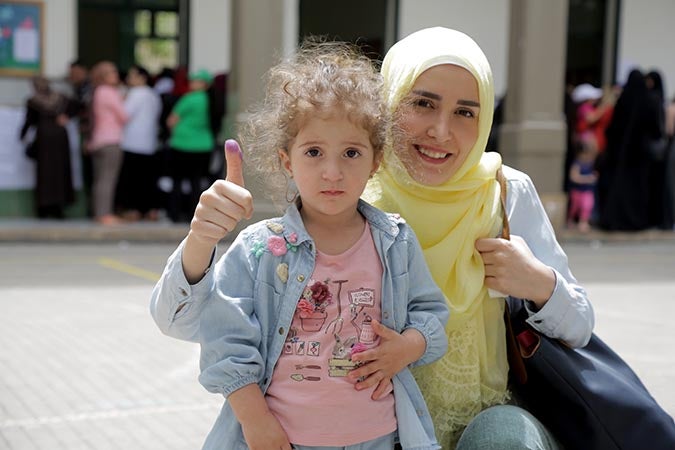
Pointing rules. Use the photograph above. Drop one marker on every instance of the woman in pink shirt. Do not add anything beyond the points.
(108, 118)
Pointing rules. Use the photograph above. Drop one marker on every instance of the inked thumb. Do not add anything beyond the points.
(233, 159)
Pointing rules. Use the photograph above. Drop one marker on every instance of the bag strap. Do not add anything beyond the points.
(515, 358)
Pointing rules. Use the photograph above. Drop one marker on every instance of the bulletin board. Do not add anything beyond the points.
(21, 38)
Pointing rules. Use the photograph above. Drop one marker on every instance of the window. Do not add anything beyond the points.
(156, 39)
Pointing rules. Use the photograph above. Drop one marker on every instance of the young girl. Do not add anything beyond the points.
(583, 178)
(295, 297)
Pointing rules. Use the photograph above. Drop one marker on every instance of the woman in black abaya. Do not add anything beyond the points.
(624, 180)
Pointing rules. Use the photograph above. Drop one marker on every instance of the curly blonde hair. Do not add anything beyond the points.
(320, 78)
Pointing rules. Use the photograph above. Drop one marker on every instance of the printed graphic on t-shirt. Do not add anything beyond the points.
(327, 309)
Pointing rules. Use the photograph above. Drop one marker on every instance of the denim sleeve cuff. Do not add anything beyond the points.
(240, 383)
(436, 342)
(559, 318)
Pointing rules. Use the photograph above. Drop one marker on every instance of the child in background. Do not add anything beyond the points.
(295, 297)
(583, 178)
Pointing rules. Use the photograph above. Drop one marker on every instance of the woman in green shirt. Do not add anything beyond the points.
(191, 144)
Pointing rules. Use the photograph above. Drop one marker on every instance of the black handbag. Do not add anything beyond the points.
(589, 398)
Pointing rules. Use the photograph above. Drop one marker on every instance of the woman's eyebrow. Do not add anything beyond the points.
(428, 94)
(435, 96)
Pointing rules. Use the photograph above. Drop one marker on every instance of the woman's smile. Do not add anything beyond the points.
(431, 154)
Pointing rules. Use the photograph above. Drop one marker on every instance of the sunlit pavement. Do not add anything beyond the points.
(83, 366)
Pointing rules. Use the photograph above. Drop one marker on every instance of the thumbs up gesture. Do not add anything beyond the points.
(223, 204)
(218, 212)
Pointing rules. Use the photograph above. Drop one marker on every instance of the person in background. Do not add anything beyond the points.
(81, 96)
(191, 145)
(594, 112)
(582, 184)
(670, 158)
(46, 113)
(109, 117)
(623, 183)
(137, 186)
(660, 214)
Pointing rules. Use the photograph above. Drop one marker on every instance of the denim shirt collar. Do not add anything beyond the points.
(293, 224)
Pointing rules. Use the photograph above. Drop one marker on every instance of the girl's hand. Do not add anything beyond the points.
(223, 204)
(394, 352)
(511, 268)
(265, 433)
(219, 210)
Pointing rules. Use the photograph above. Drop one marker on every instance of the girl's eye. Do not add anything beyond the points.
(352, 153)
(313, 152)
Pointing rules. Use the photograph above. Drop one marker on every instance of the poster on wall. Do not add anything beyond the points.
(21, 34)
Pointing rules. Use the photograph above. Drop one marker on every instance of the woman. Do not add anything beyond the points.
(46, 113)
(439, 178)
(191, 144)
(137, 187)
(109, 118)
(624, 185)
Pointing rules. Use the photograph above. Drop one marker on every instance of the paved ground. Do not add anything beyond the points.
(83, 366)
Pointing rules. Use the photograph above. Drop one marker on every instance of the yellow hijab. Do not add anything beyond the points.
(448, 219)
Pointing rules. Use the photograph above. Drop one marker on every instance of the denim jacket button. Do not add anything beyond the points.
(281, 330)
(385, 315)
(301, 278)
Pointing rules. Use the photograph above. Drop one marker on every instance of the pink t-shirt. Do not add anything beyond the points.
(109, 117)
(309, 394)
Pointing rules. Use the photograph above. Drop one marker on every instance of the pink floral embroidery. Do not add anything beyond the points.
(293, 238)
(315, 298)
(277, 245)
(306, 308)
(320, 293)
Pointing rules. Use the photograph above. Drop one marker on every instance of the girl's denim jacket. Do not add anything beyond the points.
(242, 310)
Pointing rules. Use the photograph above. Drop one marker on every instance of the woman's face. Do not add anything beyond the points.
(439, 118)
(111, 76)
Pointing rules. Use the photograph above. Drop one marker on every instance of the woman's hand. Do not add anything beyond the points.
(394, 352)
(511, 268)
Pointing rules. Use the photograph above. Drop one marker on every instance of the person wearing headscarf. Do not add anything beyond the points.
(46, 113)
(660, 212)
(623, 186)
(441, 180)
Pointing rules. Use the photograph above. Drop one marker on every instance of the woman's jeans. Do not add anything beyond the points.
(506, 427)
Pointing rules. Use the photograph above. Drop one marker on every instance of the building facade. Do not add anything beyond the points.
(535, 47)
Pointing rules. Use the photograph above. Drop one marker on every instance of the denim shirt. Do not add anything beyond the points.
(247, 286)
